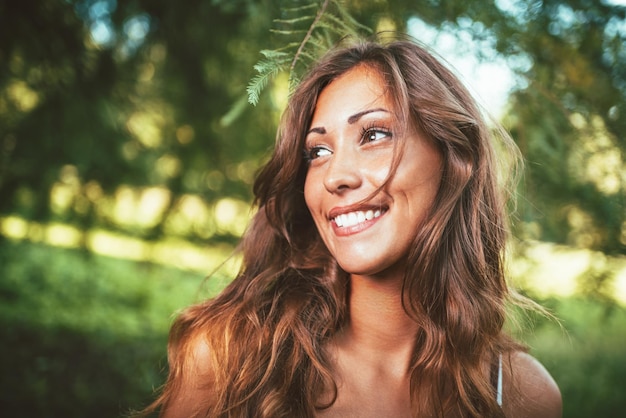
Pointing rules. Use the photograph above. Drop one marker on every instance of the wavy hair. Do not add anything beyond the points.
(267, 331)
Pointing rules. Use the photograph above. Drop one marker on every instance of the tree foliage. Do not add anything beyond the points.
(104, 99)
(98, 96)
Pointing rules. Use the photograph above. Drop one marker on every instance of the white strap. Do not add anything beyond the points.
(499, 388)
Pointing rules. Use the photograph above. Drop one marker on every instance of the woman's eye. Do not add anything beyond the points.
(372, 135)
(316, 152)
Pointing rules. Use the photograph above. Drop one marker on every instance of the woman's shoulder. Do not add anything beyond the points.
(529, 389)
(192, 360)
(191, 394)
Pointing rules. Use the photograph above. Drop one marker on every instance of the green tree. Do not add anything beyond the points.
(96, 95)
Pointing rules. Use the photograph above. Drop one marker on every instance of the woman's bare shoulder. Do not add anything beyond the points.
(194, 388)
(529, 389)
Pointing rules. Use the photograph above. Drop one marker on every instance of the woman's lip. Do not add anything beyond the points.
(343, 231)
(334, 212)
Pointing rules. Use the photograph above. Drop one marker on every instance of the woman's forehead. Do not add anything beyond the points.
(356, 92)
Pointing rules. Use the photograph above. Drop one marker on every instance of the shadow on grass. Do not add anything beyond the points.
(61, 372)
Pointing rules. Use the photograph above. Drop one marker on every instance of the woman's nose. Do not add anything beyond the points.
(342, 173)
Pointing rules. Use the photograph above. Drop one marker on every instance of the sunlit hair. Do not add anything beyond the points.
(267, 331)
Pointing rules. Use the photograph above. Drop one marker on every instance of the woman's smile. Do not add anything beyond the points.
(352, 221)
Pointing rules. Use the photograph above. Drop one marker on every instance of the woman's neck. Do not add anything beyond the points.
(378, 327)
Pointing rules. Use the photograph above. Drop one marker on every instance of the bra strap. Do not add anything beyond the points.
(496, 379)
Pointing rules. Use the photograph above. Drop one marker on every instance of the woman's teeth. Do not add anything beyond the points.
(354, 218)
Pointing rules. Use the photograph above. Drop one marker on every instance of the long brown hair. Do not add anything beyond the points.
(267, 331)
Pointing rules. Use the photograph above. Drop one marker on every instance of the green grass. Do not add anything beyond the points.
(587, 357)
(85, 336)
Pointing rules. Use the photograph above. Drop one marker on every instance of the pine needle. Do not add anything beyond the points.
(310, 35)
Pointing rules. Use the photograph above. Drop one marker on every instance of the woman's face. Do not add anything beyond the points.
(350, 144)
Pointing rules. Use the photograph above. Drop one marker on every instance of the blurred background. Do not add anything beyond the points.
(128, 149)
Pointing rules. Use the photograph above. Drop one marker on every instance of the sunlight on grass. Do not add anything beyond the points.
(60, 235)
(169, 252)
(186, 256)
(116, 245)
(14, 227)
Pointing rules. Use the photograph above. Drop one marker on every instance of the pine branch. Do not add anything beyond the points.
(316, 38)
(294, 20)
(266, 69)
(350, 20)
(319, 15)
(300, 8)
(286, 32)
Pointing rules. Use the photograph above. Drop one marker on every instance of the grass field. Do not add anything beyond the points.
(84, 335)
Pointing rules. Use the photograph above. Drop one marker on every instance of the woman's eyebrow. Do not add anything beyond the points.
(320, 130)
(351, 120)
(354, 118)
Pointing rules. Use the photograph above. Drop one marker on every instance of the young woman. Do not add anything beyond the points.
(372, 282)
